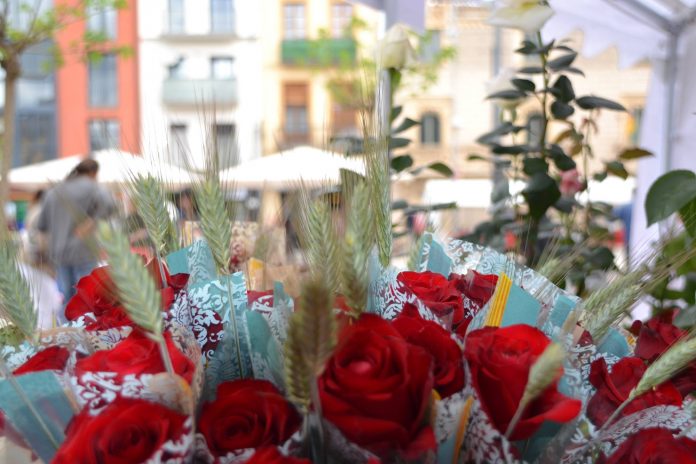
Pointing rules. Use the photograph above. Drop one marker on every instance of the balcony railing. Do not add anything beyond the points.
(319, 52)
(197, 91)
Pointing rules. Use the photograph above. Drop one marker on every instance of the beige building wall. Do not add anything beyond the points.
(318, 16)
(459, 96)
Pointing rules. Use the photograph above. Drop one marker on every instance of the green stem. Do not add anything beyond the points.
(544, 97)
(233, 323)
(586, 169)
(164, 352)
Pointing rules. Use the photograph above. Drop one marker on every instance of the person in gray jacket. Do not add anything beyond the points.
(68, 216)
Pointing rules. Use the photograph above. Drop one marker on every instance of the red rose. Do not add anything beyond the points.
(270, 455)
(613, 389)
(137, 355)
(376, 389)
(52, 358)
(247, 414)
(436, 292)
(654, 337)
(96, 293)
(449, 363)
(477, 289)
(499, 360)
(654, 446)
(127, 431)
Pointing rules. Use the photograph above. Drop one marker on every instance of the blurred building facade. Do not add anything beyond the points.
(97, 100)
(200, 74)
(303, 43)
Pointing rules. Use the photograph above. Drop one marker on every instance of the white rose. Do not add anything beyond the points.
(500, 83)
(528, 15)
(395, 49)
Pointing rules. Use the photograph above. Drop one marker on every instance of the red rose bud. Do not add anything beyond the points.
(500, 360)
(376, 389)
(127, 431)
(137, 355)
(271, 455)
(52, 358)
(613, 389)
(436, 292)
(449, 365)
(654, 446)
(247, 414)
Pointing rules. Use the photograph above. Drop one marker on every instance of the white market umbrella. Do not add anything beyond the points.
(303, 165)
(115, 167)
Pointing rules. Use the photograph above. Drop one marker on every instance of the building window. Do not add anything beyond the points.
(341, 14)
(430, 46)
(176, 69)
(102, 20)
(225, 145)
(178, 143)
(103, 86)
(222, 67)
(221, 16)
(177, 17)
(104, 134)
(294, 21)
(296, 113)
(430, 129)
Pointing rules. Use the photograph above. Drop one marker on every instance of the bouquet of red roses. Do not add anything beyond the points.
(468, 357)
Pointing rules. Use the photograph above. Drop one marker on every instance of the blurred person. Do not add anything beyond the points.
(68, 217)
(35, 239)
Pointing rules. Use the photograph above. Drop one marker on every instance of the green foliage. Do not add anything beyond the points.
(670, 193)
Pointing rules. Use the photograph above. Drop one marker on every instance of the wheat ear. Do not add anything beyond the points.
(542, 374)
(378, 182)
(136, 289)
(16, 303)
(311, 340)
(215, 223)
(356, 250)
(151, 203)
(322, 243)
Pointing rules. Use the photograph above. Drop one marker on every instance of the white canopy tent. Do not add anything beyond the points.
(663, 31)
(115, 167)
(287, 170)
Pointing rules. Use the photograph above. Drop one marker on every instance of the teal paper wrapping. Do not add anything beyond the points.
(49, 400)
(521, 308)
(438, 261)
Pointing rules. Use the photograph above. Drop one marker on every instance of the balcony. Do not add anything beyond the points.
(319, 52)
(190, 92)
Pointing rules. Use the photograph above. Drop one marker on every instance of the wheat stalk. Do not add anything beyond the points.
(215, 223)
(612, 311)
(136, 289)
(356, 250)
(16, 303)
(542, 374)
(151, 203)
(311, 340)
